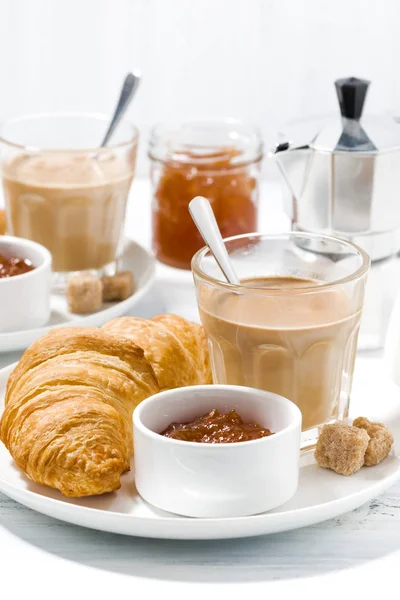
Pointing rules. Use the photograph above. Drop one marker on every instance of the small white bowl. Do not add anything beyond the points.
(216, 480)
(25, 299)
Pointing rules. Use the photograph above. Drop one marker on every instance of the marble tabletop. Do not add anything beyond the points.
(357, 551)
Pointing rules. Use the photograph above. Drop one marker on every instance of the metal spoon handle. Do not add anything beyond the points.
(204, 219)
(129, 88)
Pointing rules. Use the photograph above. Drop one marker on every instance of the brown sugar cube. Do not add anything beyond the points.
(118, 287)
(84, 293)
(380, 443)
(341, 448)
(3, 223)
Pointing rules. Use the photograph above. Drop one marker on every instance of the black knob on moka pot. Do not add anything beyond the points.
(351, 93)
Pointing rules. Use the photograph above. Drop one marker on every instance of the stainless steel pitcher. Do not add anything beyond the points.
(343, 178)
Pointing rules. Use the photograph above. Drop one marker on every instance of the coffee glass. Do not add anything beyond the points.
(291, 326)
(63, 191)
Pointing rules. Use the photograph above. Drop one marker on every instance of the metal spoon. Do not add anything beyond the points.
(204, 219)
(128, 90)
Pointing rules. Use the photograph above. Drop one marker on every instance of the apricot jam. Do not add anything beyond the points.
(216, 428)
(226, 174)
(9, 267)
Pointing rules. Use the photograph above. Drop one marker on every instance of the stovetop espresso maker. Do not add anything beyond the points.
(343, 178)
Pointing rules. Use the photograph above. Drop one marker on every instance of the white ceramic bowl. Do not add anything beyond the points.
(25, 299)
(216, 480)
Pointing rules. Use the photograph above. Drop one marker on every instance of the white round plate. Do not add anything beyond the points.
(321, 495)
(134, 258)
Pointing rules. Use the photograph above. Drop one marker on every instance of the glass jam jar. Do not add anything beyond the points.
(219, 160)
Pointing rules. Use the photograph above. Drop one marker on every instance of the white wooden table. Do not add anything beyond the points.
(356, 553)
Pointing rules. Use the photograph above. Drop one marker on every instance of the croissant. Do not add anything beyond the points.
(68, 407)
(176, 348)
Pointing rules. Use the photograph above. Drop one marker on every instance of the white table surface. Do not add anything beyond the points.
(356, 553)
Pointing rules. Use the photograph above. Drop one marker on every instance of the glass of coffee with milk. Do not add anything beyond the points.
(64, 191)
(291, 326)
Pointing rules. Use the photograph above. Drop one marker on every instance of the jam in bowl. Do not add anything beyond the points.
(224, 478)
(216, 427)
(25, 283)
(13, 266)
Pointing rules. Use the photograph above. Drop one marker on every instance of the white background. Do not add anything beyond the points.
(266, 61)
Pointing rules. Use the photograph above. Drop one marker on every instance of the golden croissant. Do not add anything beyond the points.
(176, 348)
(68, 407)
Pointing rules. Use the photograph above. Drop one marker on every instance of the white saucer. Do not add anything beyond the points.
(321, 495)
(134, 258)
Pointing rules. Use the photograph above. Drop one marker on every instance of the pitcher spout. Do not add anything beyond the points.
(292, 162)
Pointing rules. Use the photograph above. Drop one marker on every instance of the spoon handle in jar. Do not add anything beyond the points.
(128, 90)
(203, 216)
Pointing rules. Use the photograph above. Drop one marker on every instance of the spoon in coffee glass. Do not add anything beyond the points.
(129, 87)
(203, 216)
